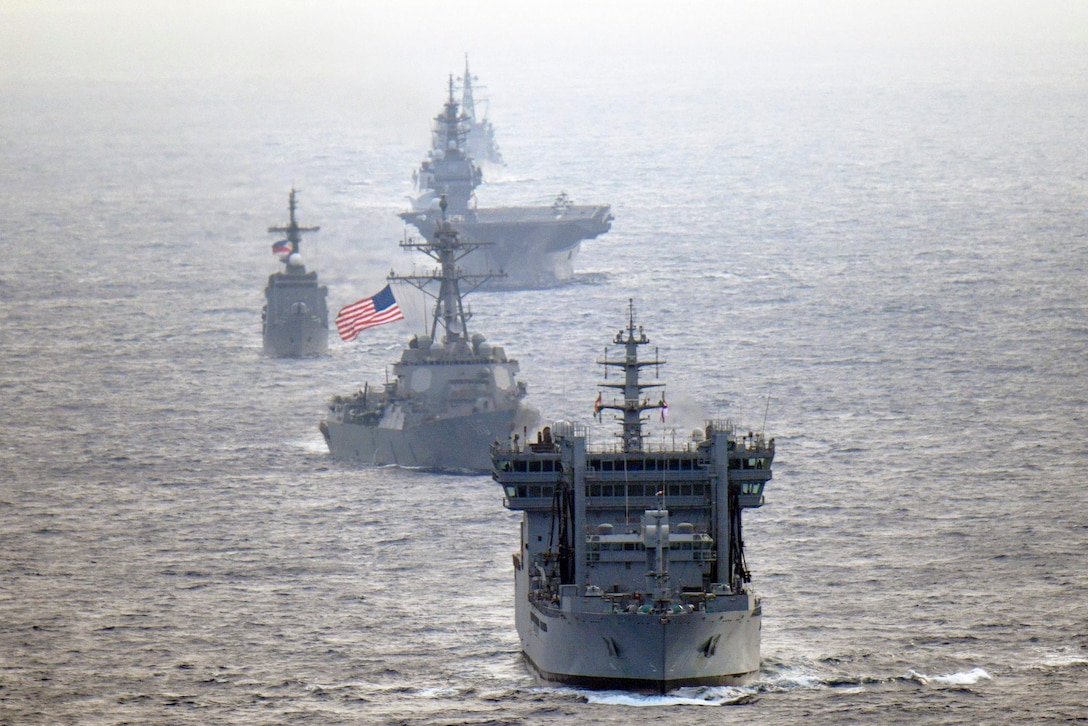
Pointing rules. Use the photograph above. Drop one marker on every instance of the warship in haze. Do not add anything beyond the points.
(480, 141)
(295, 319)
(533, 246)
(631, 570)
(452, 393)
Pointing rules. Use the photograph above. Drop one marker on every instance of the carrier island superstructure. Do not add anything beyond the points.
(631, 571)
(295, 318)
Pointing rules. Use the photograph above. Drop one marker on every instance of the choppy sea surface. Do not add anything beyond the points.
(887, 272)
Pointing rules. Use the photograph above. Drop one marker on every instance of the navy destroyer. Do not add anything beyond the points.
(631, 571)
(534, 246)
(295, 319)
(452, 393)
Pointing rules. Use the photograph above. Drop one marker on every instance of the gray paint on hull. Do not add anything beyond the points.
(459, 443)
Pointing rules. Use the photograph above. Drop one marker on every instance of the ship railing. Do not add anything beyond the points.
(671, 446)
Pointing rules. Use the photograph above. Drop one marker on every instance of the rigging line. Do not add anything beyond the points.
(767, 407)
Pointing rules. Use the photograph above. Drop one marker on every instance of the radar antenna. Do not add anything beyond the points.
(292, 230)
(633, 404)
(447, 249)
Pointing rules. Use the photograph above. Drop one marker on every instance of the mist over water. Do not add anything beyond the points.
(881, 264)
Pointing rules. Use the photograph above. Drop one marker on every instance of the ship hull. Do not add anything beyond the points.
(296, 337)
(454, 443)
(295, 319)
(639, 652)
(533, 246)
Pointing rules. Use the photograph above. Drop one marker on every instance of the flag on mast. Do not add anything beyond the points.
(367, 313)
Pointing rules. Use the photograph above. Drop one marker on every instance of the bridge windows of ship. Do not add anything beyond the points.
(640, 463)
(533, 465)
(533, 491)
(749, 463)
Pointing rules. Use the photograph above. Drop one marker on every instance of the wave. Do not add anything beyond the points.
(700, 696)
(968, 678)
(1063, 659)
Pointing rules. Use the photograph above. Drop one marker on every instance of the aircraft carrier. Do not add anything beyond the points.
(534, 246)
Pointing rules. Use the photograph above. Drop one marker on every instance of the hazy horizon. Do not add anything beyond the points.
(401, 42)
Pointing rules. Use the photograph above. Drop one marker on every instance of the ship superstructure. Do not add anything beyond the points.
(631, 571)
(451, 393)
(480, 137)
(295, 317)
(533, 246)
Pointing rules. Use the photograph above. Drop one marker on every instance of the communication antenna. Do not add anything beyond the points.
(770, 385)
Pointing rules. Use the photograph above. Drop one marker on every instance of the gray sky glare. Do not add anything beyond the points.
(117, 39)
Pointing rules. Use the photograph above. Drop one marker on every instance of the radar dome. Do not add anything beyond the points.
(562, 428)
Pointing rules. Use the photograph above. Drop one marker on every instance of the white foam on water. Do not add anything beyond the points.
(716, 696)
(968, 678)
(794, 677)
(437, 692)
(1056, 659)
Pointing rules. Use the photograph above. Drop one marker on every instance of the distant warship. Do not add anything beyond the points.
(480, 136)
(534, 246)
(631, 570)
(295, 318)
(451, 395)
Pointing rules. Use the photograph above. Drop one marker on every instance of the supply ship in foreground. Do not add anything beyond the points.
(295, 318)
(452, 394)
(533, 246)
(631, 570)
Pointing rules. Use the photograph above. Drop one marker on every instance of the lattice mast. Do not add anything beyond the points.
(447, 248)
(634, 403)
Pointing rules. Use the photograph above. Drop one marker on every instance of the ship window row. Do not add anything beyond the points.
(754, 463)
(530, 466)
(678, 489)
(641, 464)
(529, 490)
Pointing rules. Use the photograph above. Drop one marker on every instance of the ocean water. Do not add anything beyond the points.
(886, 271)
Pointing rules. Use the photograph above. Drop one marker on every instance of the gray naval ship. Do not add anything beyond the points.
(452, 394)
(631, 570)
(295, 318)
(480, 136)
(534, 246)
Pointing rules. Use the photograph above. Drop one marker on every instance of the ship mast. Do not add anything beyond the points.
(468, 103)
(450, 127)
(292, 230)
(633, 404)
(447, 249)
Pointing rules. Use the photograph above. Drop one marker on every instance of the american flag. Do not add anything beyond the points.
(367, 313)
(282, 247)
